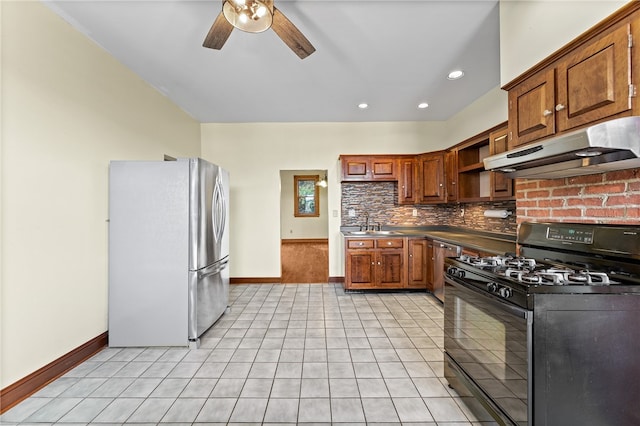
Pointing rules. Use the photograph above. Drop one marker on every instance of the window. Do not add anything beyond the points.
(306, 196)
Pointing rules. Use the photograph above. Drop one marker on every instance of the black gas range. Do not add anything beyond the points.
(550, 336)
(557, 258)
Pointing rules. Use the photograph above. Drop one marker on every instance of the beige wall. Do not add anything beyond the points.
(255, 153)
(293, 227)
(532, 30)
(67, 109)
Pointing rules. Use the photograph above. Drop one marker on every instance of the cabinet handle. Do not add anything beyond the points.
(360, 243)
(560, 107)
(388, 243)
(378, 263)
(441, 185)
(547, 112)
(373, 263)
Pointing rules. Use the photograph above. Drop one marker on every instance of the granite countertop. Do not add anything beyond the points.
(489, 242)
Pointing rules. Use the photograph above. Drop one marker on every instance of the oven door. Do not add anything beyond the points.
(488, 350)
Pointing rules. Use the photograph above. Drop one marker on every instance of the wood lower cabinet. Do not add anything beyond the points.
(430, 265)
(375, 263)
(417, 270)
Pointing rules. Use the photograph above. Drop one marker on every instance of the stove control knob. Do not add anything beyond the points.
(505, 292)
(452, 270)
(460, 274)
(492, 287)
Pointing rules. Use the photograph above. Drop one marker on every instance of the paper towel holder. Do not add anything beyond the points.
(502, 214)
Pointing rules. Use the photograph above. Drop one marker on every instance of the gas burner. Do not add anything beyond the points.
(521, 262)
(589, 278)
(518, 263)
(558, 276)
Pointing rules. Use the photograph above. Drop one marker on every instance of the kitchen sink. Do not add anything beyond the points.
(373, 233)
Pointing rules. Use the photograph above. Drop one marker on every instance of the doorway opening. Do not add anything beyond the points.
(304, 227)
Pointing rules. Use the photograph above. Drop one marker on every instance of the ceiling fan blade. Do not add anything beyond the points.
(219, 33)
(291, 35)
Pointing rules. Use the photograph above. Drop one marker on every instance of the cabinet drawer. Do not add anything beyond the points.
(389, 243)
(360, 244)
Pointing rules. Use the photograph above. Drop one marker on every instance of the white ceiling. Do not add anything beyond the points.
(390, 54)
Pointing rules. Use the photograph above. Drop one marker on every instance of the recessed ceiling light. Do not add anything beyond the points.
(363, 105)
(456, 74)
(423, 105)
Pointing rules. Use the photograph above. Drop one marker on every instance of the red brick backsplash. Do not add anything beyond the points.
(612, 197)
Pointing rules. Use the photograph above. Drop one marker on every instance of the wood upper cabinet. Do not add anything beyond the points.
(366, 168)
(374, 263)
(531, 109)
(431, 173)
(594, 81)
(475, 183)
(417, 263)
(589, 83)
(407, 180)
(451, 174)
(501, 186)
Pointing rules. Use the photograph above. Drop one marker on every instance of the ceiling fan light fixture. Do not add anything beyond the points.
(252, 16)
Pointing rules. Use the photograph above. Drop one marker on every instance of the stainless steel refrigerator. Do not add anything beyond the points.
(168, 251)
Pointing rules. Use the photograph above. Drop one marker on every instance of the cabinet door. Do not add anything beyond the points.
(432, 176)
(593, 82)
(366, 168)
(451, 175)
(417, 268)
(355, 168)
(531, 105)
(501, 185)
(390, 268)
(383, 169)
(406, 181)
(360, 269)
(430, 265)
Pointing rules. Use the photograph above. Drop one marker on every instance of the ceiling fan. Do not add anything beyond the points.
(256, 16)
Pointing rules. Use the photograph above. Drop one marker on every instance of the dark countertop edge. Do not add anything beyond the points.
(484, 241)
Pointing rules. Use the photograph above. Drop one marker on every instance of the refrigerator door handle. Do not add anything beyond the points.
(218, 209)
(213, 269)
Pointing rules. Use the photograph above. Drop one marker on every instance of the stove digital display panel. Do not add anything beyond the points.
(574, 235)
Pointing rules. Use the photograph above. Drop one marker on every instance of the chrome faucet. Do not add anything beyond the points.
(366, 222)
(366, 227)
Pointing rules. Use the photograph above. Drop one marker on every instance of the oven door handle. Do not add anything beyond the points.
(494, 300)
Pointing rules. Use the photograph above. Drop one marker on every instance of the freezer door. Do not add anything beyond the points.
(208, 212)
(208, 297)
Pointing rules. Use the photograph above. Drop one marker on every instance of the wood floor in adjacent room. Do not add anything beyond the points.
(305, 261)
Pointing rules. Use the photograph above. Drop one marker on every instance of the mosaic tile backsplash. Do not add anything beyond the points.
(380, 201)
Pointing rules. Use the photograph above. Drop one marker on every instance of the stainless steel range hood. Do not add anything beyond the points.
(612, 145)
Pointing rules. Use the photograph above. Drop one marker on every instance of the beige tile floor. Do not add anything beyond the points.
(284, 354)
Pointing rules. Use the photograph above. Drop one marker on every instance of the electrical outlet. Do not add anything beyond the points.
(352, 212)
(462, 212)
(415, 212)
